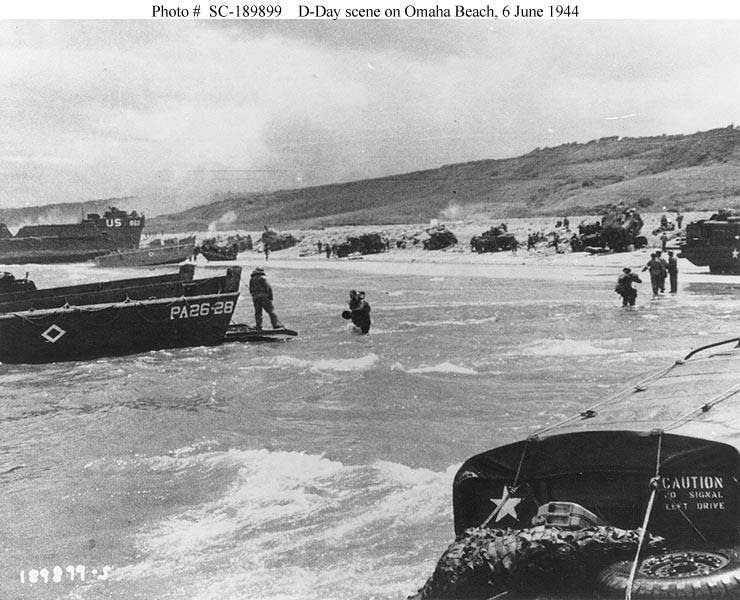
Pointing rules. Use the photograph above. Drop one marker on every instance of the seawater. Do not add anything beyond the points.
(318, 468)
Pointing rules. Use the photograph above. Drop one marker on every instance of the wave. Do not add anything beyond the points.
(444, 367)
(471, 321)
(286, 517)
(618, 343)
(362, 363)
(568, 347)
(379, 331)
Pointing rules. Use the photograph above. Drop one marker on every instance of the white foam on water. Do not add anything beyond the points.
(363, 363)
(265, 536)
(566, 347)
(456, 322)
(452, 305)
(408, 496)
(616, 343)
(194, 449)
(270, 488)
(379, 331)
(445, 367)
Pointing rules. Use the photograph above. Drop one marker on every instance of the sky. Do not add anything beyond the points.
(175, 111)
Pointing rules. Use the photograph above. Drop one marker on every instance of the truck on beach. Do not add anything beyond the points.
(714, 242)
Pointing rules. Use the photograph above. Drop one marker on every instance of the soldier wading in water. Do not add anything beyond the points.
(624, 286)
(359, 311)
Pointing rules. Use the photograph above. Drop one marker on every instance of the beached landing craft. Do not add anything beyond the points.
(77, 242)
(145, 257)
(116, 317)
(635, 496)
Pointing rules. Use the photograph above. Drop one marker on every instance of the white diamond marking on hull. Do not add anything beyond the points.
(53, 333)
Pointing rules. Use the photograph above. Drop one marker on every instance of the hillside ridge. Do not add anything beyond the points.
(699, 171)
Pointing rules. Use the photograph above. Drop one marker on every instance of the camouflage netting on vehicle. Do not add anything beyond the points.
(278, 241)
(484, 562)
(438, 238)
(368, 243)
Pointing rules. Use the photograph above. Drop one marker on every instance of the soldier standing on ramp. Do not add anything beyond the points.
(261, 293)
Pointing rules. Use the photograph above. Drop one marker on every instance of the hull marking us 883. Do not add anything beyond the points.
(202, 309)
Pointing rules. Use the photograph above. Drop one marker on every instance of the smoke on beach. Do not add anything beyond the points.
(225, 219)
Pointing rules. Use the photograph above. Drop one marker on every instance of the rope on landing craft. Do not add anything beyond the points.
(643, 530)
(692, 414)
(641, 386)
(621, 395)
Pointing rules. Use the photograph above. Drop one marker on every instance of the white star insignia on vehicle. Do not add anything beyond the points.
(507, 506)
(735, 253)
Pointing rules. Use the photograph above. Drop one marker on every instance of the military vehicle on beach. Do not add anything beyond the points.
(493, 240)
(437, 237)
(619, 231)
(714, 242)
(272, 240)
(367, 243)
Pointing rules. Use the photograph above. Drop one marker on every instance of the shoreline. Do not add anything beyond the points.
(497, 265)
(541, 263)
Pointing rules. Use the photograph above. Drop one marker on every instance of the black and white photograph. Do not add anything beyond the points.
(383, 301)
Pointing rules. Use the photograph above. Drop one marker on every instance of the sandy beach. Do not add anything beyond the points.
(542, 263)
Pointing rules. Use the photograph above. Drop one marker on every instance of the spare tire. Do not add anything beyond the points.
(675, 575)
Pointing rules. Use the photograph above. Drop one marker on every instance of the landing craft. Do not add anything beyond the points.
(93, 236)
(118, 317)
